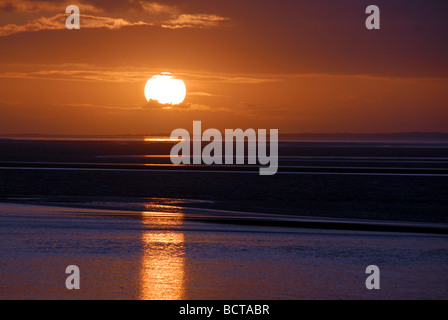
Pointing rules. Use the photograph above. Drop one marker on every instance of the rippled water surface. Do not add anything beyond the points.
(163, 255)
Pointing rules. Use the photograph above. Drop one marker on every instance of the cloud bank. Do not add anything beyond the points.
(152, 13)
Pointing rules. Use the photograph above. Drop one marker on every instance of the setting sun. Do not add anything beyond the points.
(165, 89)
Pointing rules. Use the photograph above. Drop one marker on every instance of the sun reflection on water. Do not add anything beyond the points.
(163, 263)
(162, 139)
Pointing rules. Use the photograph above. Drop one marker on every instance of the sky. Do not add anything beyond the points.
(297, 66)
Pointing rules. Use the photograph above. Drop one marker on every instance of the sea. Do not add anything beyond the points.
(139, 227)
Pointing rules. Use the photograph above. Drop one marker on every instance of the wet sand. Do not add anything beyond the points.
(164, 255)
(140, 228)
(404, 181)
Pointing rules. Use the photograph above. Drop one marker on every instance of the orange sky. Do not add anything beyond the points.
(297, 66)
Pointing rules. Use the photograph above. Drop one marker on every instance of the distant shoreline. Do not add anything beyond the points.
(289, 137)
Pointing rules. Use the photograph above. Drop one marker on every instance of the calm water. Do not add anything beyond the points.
(162, 255)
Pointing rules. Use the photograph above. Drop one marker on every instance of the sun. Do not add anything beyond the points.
(165, 89)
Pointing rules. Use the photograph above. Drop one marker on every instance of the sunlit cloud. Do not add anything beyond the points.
(157, 14)
(200, 94)
(108, 107)
(57, 22)
(194, 21)
(157, 8)
(33, 6)
(365, 77)
(172, 17)
(90, 73)
(187, 106)
(128, 75)
(80, 75)
(235, 78)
